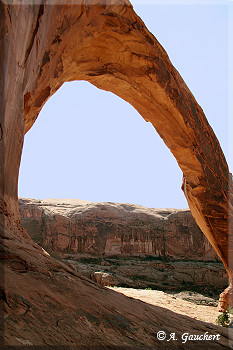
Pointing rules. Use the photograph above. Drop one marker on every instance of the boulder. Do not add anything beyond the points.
(105, 279)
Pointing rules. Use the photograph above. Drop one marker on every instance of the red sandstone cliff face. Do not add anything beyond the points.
(114, 229)
(75, 229)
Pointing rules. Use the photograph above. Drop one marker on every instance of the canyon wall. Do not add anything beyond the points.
(114, 229)
(140, 247)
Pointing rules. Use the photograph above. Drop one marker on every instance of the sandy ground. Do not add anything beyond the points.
(173, 303)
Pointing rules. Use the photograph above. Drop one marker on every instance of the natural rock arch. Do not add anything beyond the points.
(109, 46)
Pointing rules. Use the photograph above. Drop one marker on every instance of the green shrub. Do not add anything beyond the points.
(223, 319)
(90, 260)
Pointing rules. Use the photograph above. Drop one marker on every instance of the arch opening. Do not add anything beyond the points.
(97, 147)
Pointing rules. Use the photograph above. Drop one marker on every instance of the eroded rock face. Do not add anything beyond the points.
(107, 229)
(151, 272)
(86, 234)
(41, 47)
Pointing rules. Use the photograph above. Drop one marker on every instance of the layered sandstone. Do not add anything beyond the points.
(41, 47)
(209, 278)
(173, 252)
(107, 229)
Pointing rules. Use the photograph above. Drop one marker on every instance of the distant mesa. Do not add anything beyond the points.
(78, 226)
(126, 244)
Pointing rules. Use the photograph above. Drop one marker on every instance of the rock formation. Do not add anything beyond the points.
(103, 278)
(142, 247)
(107, 229)
(41, 47)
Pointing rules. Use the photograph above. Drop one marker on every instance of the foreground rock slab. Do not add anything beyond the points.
(47, 303)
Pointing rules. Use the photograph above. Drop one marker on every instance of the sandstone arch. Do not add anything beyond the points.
(109, 46)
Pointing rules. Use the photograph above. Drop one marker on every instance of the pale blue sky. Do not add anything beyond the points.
(89, 144)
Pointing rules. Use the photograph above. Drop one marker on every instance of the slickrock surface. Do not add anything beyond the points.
(107, 229)
(176, 303)
(47, 303)
(41, 47)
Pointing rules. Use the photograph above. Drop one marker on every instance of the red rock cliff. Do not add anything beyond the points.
(114, 229)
